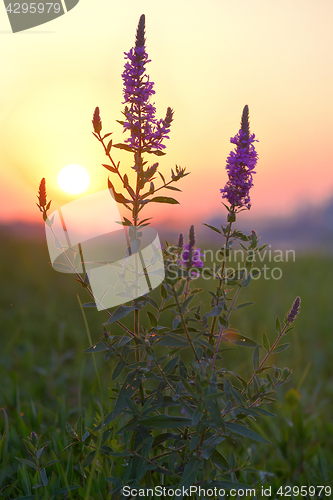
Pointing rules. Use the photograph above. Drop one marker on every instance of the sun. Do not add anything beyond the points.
(73, 179)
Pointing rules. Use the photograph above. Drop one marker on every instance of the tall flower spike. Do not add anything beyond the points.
(294, 311)
(240, 166)
(191, 257)
(245, 125)
(96, 121)
(181, 240)
(140, 33)
(42, 194)
(192, 237)
(146, 132)
(43, 205)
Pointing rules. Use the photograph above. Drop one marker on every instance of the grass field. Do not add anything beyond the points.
(47, 380)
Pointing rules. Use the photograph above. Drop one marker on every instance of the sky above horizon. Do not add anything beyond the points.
(209, 59)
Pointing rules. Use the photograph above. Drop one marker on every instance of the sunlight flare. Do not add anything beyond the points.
(73, 179)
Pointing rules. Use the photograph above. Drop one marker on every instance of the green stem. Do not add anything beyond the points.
(268, 354)
(211, 337)
(226, 319)
(184, 324)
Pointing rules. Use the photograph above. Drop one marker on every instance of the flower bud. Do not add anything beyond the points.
(96, 121)
(42, 193)
(294, 311)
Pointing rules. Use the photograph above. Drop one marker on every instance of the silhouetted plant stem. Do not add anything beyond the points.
(226, 319)
(227, 239)
(184, 324)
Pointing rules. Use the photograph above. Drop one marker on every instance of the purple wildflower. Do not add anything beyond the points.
(240, 165)
(190, 256)
(181, 240)
(147, 133)
(294, 311)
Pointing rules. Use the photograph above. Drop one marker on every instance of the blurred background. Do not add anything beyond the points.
(208, 61)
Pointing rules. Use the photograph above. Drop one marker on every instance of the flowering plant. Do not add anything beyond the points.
(177, 412)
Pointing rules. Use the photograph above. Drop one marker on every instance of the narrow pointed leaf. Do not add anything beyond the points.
(165, 199)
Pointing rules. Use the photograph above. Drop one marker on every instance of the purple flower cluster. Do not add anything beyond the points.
(240, 166)
(190, 256)
(147, 133)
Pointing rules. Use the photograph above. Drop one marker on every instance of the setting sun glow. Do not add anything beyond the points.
(73, 179)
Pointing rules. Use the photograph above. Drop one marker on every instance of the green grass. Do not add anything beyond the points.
(46, 379)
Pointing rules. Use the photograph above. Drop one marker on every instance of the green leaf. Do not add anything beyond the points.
(213, 228)
(246, 282)
(255, 359)
(89, 458)
(39, 452)
(170, 365)
(121, 312)
(235, 337)
(161, 438)
(187, 303)
(129, 387)
(245, 304)
(196, 417)
(281, 348)
(111, 169)
(99, 347)
(265, 341)
(44, 477)
(27, 462)
(124, 340)
(152, 319)
(70, 430)
(237, 396)
(173, 341)
(189, 475)
(51, 463)
(265, 412)
(126, 147)
(278, 325)
(118, 369)
(165, 422)
(162, 177)
(157, 152)
(65, 490)
(246, 432)
(219, 460)
(165, 199)
(215, 311)
(164, 293)
(172, 188)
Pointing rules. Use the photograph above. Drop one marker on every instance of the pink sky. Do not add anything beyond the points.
(275, 57)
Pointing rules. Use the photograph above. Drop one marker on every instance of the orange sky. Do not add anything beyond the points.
(209, 59)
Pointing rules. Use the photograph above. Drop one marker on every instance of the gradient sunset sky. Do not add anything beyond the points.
(209, 59)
